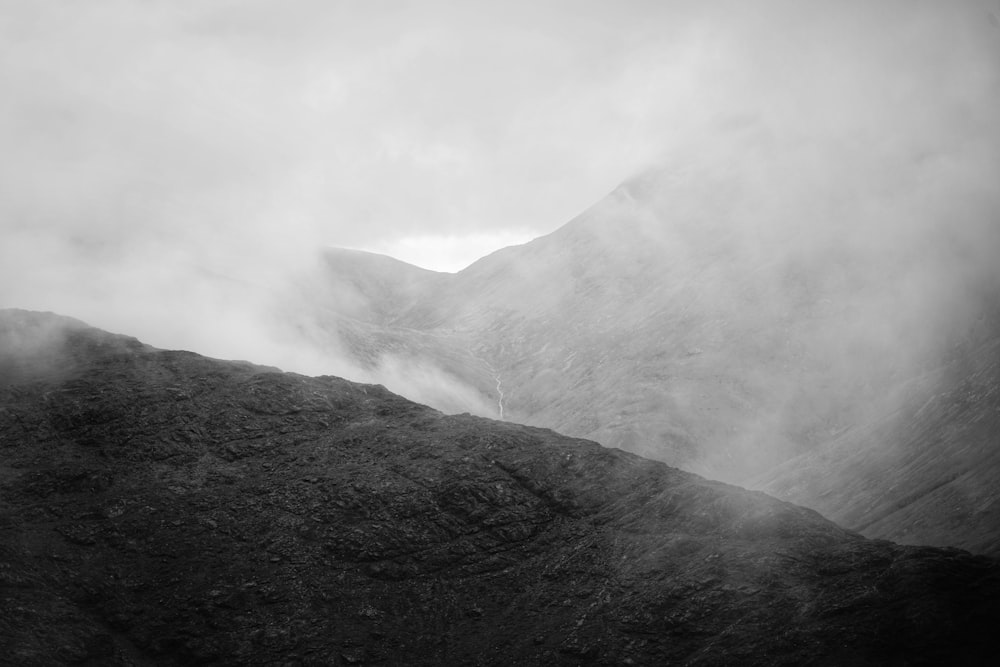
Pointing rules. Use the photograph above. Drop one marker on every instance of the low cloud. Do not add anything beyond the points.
(171, 169)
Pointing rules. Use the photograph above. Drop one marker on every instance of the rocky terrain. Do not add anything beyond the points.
(158, 507)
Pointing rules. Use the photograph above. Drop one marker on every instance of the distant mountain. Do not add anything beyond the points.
(925, 472)
(159, 507)
(376, 288)
(690, 319)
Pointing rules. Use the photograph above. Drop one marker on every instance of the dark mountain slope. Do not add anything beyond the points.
(163, 508)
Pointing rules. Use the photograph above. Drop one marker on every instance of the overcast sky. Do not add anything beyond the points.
(237, 136)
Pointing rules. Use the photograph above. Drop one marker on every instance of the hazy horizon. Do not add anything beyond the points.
(170, 169)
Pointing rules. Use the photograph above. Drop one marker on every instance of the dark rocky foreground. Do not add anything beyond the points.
(159, 507)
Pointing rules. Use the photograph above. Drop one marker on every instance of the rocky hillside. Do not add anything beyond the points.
(159, 507)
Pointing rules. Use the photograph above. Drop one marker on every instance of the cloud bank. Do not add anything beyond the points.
(170, 169)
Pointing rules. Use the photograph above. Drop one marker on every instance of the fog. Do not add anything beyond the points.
(864, 276)
(172, 171)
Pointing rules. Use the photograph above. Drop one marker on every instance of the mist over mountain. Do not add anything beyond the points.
(766, 251)
(160, 507)
(923, 472)
(697, 318)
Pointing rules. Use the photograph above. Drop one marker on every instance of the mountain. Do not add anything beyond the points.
(693, 318)
(937, 451)
(159, 507)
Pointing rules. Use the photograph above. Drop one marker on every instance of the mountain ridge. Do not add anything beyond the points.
(717, 341)
(159, 507)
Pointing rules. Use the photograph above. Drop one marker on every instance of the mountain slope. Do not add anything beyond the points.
(163, 508)
(692, 318)
(939, 450)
